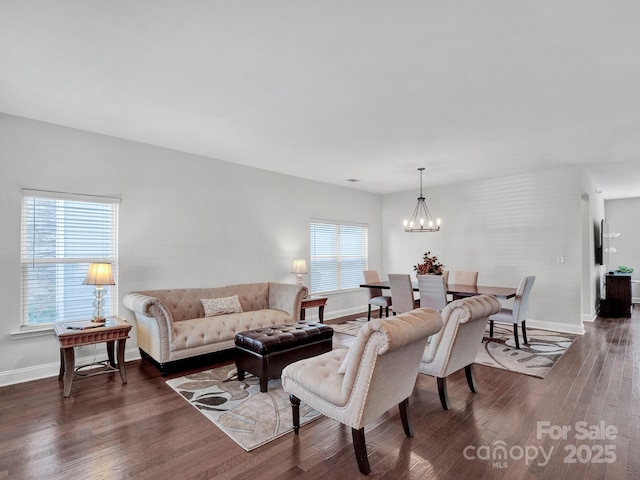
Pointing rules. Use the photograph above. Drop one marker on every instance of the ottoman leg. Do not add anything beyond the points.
(264, 380)
(240, 374)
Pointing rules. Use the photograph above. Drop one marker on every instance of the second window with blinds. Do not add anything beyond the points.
(339, 255)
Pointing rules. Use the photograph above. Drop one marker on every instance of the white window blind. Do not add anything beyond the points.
(61, 235)
(339, 255)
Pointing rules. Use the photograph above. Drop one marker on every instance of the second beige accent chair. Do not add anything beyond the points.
(456, 345)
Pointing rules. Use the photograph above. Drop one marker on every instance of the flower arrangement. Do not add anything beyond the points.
(430, 265)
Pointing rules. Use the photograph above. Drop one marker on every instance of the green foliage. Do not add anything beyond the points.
(622, 269)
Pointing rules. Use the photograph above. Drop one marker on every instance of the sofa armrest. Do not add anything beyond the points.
(287, 297)
(154, 324)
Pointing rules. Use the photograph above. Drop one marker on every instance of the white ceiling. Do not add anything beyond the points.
(338, 89)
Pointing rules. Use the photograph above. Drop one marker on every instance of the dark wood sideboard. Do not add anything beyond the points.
(617, 303)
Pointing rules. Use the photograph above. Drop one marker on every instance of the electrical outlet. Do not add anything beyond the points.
(560, 259)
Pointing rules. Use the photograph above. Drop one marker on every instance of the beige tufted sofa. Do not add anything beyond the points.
(171, 324)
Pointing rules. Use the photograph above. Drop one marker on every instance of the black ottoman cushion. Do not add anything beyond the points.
(266, 351)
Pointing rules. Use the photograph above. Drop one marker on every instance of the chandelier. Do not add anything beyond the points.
(421, 220)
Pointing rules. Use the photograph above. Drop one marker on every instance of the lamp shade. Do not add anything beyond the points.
(299, 266)
(99, 274)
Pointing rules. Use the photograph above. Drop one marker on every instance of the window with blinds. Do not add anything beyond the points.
(339, 255)
(61, 235)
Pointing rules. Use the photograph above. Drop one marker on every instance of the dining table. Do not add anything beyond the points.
(453, 288)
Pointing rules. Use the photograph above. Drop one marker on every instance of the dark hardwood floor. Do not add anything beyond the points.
(144, 430)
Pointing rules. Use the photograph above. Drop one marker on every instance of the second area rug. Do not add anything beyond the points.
(536, 359)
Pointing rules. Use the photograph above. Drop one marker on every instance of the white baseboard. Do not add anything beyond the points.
(37, 372)
(556, 327)
(345, 312)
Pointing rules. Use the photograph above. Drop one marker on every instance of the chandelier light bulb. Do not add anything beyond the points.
(438, 222)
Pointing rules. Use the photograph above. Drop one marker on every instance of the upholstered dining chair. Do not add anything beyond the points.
(433, 291)
(356, 386)
(402, 293)
(456, 345)
(517, 314)
(375, 294)
(463, 278)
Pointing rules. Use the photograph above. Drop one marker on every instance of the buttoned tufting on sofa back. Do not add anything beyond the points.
(185, 304)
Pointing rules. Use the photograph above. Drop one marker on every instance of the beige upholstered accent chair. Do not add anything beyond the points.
(375, 294)
(464, 278)
(433, 291)
(456, 345)
(402, 293)
(517, 314)
(356, 386)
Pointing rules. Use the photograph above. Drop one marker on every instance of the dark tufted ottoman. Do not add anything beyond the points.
(266, 351)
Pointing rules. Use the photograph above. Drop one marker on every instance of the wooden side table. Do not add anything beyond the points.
(114, 331)
(311, 302)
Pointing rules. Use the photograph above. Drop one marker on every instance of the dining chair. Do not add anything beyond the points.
(457, 344)
(358, 385)
(517, 314)
(464, 278)
(433, 291)
(402, 293)
(375, 294)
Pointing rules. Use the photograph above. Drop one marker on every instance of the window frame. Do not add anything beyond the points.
(340, 259)
(31, 258)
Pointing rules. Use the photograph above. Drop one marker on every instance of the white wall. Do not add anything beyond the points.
(185, 221)
(504, 228)
(622, 216)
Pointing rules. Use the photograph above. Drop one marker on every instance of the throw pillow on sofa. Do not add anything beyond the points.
(221, 306)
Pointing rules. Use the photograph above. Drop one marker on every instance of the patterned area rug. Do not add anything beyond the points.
(350, 328)
(536, 359)
(238, 408)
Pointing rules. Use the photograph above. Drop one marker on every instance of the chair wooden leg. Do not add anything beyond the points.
(369, 313)
(380, 313)
(404, 416)
(386, 311)
(524, 333)
(468, 370)
(515, 335)
(442, 391)
(491, 328)
(360, 447)
(295, 410)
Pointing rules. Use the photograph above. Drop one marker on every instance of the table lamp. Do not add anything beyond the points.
(99, 274)
(299, 267)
